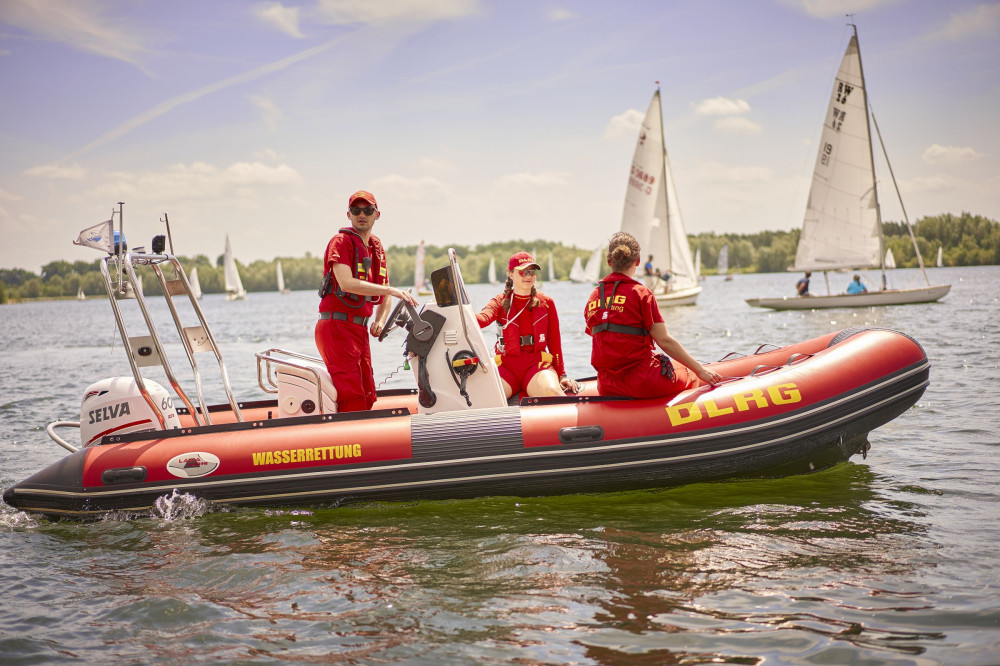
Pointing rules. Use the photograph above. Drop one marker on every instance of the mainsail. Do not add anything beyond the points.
(652, 213)
(195, 283)
(842, 227)
(233, 284)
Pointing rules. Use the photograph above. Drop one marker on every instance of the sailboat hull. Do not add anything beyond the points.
(688, 296)
(867, 299)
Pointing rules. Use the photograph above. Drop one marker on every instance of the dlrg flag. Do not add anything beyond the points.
(100, 237)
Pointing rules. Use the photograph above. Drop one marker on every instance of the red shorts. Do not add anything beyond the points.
(344, 348)
(518, 369)
(643, 380)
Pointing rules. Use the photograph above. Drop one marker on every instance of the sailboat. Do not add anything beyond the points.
(233, 284)
(592, 271)
(492, 275)
(281, 280)
(576, 272)
(723, 265)
(697, 264)
(940, 256)
(842, 226)
(890, 260)
(419, 280)
(80, 296)
(552, 272)
(653, 216)
(195, 283)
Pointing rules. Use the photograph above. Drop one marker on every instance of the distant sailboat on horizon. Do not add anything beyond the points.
(552, 272)
(80, 296)
(940, 256)
(420, 282)
(281, 280)
(195, 283)
(723, 265)
(233, 284)
(491, 275)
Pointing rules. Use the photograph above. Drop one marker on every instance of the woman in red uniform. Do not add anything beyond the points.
(529, 348)
(625, 322)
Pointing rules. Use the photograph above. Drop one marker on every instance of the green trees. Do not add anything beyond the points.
(966, 239)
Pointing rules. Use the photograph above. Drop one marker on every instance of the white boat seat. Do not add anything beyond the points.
(297, 395)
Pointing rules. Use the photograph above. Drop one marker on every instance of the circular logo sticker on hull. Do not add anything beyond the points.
(190, 465)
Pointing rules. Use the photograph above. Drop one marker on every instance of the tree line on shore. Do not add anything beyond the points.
(966, 239)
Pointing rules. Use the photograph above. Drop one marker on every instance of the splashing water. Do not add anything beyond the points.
(179, 506)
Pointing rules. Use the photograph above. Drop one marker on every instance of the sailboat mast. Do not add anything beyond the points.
(663, 183)
(871, 157)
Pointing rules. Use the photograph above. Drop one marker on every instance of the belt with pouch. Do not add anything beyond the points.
(340, 316)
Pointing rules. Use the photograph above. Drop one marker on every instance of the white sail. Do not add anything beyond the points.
(723, 266)
(492, 275)
(552, 272)
(418, 266)
(233, 284)
(890, 261)
(940, 256)
(592, 271)
(195, 283)
(80, 296)
(652, 213)
(697, 263)
(841, 227)
(576, 273)
(281, 279)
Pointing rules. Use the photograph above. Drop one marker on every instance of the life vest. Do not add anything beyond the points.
(517, 341)
(612, 316)
(364, 266)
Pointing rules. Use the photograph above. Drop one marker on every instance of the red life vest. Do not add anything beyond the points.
(614, 318)
(518, 341)
(365, 265)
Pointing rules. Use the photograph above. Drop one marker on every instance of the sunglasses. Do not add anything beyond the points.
(357, 210)
(527, 272)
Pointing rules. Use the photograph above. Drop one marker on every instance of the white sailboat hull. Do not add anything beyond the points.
(686, 296)
(867, 299)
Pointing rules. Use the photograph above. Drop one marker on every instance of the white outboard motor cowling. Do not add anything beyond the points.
(115, 406)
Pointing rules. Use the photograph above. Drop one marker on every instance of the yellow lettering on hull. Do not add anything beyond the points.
(317, 454)
(691, 412)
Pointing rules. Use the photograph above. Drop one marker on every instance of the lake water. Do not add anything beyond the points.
(889, 560)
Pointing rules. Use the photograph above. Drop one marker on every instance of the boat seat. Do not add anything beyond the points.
(297, 394)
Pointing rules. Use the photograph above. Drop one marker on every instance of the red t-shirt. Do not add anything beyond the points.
(632, 305)
(542, 321)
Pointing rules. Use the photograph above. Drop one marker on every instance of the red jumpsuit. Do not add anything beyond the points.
(342, 337)
(625, 355)
(527, 332)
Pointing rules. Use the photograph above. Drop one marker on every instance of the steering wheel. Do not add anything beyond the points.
(398, 318)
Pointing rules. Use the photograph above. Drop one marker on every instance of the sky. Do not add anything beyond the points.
(472, 121)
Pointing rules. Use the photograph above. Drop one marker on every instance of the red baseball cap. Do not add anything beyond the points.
(522, 260)
(363, 195)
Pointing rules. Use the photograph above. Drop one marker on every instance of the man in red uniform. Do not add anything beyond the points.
(625, 321)
(355, 277)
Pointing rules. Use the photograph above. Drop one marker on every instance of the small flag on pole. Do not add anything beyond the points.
(98, 237)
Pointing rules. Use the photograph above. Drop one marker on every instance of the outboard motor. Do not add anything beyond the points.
(115, 406)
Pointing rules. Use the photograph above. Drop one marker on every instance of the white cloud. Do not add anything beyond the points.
(937, 154)
(721, 106)
(979, 20)
(69, 171)
(625, 124)
(266, 154)
(81, 24)
(269, 112)
(831, 8)
(345, 12)
(937, 183)
(285, 19)
(199, 180)
(9, 196)
(737, 126)
(409, 190)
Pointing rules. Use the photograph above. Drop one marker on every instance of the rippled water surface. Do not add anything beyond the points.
(888, 560)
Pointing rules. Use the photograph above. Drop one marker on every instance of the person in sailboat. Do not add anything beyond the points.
(856, 286)
(648, 268)
(625, 322)
(355, 279)
(529, 348)
(802, 286)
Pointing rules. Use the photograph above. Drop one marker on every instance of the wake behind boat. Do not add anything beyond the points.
(782, 410)
(842, 228)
